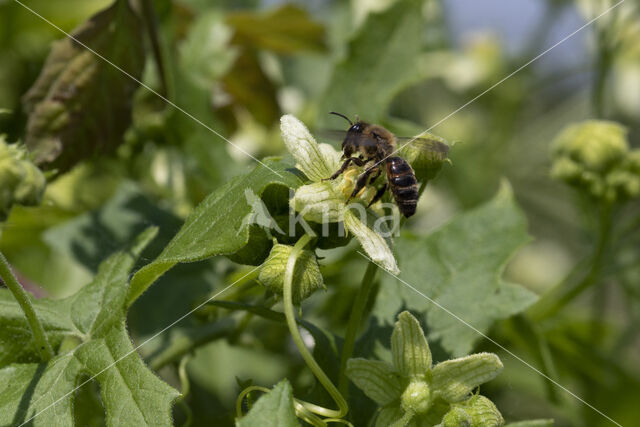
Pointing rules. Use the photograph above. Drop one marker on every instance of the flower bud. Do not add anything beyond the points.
(20, 180)
(596, 145)
(306, 275)
(478, 411)
(594, 156)
(416, 397)
(426, 155)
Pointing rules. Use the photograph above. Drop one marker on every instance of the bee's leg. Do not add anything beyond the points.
(362, 181)
(344, 166)
(378, 195)
(375, 176)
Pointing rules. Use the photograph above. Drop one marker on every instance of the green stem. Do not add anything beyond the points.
(184, 392)
(149, 15)
(44, 348)
(289, 313)
(603, 66)
(568, 295)
(355, 319)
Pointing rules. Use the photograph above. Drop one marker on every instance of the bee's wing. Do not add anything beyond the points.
(330, 134)
(429, 144)
(357, 140)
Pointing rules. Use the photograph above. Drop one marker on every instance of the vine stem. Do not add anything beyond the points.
(355, 319)
(44, 348)
(343, 408)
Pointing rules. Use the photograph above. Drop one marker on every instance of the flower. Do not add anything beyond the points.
(414, 392)
(326, 201)
(594, 156)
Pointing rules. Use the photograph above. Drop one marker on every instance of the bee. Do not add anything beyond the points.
(376, 148)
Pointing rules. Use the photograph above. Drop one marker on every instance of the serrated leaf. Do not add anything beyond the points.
(94, 319)
(99, 305)
(274, 409)
(453, 380)
(29, 389)
(459, 266)
(215, 226)
(131, 393)
(376, 379)
(409, 348)
(81, 104)
(382, 60)
(16, 339)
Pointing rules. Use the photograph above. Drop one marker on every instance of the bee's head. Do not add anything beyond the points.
(357, 127)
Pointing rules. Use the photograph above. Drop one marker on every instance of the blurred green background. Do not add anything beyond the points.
(237, 66)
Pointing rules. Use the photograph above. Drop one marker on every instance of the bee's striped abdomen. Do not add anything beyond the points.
(403, 185)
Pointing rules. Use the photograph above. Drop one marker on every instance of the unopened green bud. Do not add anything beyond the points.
(416, 397)
(306, 275)
(594, 156)
(478, 411)
(426, 155)
(21, 181)
(595, 144)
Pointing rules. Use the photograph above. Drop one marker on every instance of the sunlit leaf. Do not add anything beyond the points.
(459, 266)
(217, 226)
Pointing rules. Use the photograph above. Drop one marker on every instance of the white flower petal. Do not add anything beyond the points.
(304, 149)
(372, 243)
(331, 156)
(318, 202)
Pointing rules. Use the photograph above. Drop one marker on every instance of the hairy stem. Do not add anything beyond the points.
(297, 339)
(44, 348)
(355, 319)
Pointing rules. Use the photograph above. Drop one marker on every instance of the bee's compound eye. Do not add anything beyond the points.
(356, 127)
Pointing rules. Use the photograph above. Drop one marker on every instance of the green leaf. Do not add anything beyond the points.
(16, 343)
(454, 380)
(459, 267)
(29, 389)
(283, 30)
(409, 347)
(81, 104)
(131, 393)
(97, 345)
(215, 226)
(382, 60)
(273, 409)
(376, 379)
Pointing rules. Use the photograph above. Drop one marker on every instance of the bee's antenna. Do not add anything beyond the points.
(343, 116)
